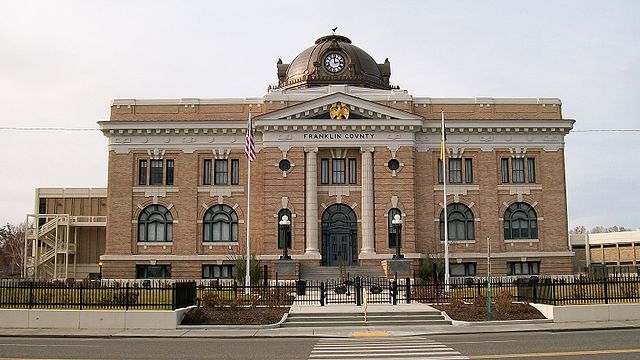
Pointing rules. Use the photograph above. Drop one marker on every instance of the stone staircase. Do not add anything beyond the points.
(321, 273)
(378, 318)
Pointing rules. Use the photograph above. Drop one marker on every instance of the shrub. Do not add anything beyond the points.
(341, 289)
(503, 301)
(212, 300)
(120, 298)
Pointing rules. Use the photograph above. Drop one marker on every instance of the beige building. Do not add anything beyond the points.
(339, 151)
(66, 235)
(618, 251)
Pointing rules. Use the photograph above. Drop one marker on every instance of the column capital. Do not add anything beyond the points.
(311, 149)
(365, 149)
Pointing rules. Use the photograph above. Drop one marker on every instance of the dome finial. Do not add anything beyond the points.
(334, 30)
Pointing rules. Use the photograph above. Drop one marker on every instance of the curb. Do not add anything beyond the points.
(234, 327)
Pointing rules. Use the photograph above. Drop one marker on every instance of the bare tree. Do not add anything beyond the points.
(578, 230)
(12, 248)
(598, 229)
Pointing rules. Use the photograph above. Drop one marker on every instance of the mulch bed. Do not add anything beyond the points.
(470, 312)
(234, 316)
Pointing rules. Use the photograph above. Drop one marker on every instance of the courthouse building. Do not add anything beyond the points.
(340, 151)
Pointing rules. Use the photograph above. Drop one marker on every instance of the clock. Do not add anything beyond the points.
(334, 62)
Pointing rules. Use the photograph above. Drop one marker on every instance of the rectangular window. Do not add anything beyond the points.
(142, 172)
(339, 170)
(353, 172)
(440, 179)
(156, 172)
(455, 171)
(505, 170)
(217, 271)
(517, 171)
(221, 172)
(463, 269)
(324, 171)
(153, 271)
(468, 171)
(169, 172)
(235, 171)
(531, 169)
(42, 209)
(206, 172)
(42, 206)
(523, 268)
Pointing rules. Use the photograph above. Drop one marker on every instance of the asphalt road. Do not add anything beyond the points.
(609, 344)
(603, 344)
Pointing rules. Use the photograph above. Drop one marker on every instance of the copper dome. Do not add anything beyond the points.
(358, 68)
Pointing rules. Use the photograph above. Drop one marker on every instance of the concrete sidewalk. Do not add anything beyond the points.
(267, 331)
(245, 332)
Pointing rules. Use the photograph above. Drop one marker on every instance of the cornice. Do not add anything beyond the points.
(357, 105)
(189, 101)
(486, 101)
(172, 127)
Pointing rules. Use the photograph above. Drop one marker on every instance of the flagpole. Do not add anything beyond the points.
(443, 152)
(247, 269)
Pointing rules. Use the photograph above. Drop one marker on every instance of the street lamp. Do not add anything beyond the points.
(396, 223)
(285, 235)
(100, 266)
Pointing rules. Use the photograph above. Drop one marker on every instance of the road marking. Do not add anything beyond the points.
(49, 345)
(388, 348)
(40, 359)
(478, 342)
(374, 334)
(562, 353)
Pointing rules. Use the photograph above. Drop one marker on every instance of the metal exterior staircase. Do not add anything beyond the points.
(51, 245)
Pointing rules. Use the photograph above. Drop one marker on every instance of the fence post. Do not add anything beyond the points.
(235, 289)
(31, 295)
(394, 290)
(535, 291)
(322, 293)
(553, 291)
(265, 270)
(606, 290)
(408, 289)
(81, 295)
(126, 297)
(358, 290)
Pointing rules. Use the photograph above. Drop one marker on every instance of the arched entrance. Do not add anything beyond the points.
(339, 235)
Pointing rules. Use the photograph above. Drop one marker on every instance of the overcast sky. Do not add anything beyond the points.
(62, 62)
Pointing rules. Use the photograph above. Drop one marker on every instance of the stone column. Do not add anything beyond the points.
(311, 201)
(367, 221)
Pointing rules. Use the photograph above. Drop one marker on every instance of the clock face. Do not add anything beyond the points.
(334, 62)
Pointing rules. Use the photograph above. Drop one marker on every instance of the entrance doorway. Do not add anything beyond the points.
(339, 235)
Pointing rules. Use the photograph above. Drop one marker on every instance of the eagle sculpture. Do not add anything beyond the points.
(339, 111)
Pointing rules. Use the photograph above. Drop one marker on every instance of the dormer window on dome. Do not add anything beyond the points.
(333, 60)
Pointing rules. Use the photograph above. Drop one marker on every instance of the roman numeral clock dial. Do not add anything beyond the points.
(334, 63)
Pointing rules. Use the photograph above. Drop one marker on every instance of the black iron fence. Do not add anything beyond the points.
(96, 295)
(172, 295)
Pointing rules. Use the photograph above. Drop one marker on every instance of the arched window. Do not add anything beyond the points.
(520, 222)
(155, 223)
(461, 222)
(281, 239)
(220, 224)
(392, 236)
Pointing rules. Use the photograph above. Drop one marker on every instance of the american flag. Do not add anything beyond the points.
(249, 142)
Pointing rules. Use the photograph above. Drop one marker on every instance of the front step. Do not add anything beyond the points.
(421, 318)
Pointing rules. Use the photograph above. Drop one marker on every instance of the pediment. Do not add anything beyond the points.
(358, 109)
